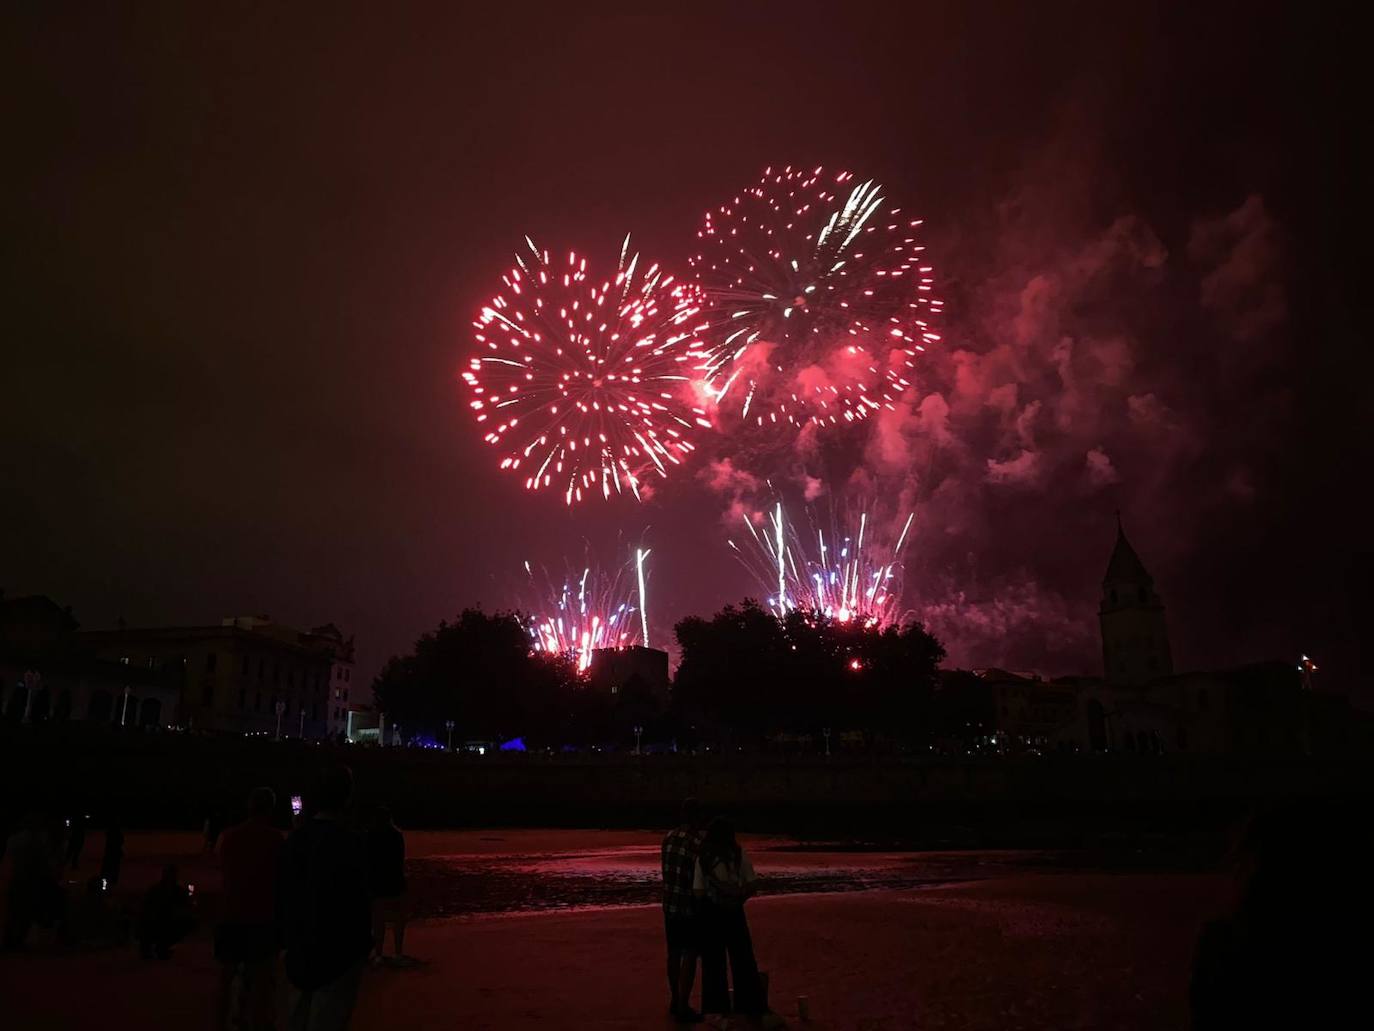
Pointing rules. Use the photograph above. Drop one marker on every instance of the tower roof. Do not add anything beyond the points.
(1125, 565)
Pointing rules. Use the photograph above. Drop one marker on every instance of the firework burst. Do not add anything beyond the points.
(587, 610)
(845, 574)
(818, 297)
(585, 387)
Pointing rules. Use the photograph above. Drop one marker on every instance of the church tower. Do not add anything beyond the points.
(1135, 639)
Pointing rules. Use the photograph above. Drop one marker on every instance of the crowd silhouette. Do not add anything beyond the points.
(315, 905)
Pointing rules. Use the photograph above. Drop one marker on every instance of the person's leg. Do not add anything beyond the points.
(298, 1010)
(715, 988)
(225, 997)
(332, 1007)
(674, 959)
(398, 934)
(259, 994)
(18, 915)
(744, 970)
(378, 929)
(687, 975)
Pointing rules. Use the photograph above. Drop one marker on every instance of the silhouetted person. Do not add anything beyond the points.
(112, 859)
(166, 917)
(681, 922)
(723, 880)
(386, 862)
(247, 940)
(214, 824)
(76, 840)
(35, 894)
(326, 911)
(1294, 949)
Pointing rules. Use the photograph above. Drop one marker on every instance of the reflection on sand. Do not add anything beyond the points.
(628, 875)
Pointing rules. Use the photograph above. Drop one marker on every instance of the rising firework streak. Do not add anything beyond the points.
(843, 574)
(587, 610)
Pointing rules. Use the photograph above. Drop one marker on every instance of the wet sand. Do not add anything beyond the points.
(1012, 950)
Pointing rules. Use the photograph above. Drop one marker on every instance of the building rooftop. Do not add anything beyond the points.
(1125, 565)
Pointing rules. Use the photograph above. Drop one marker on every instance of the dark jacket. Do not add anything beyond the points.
(323, 901)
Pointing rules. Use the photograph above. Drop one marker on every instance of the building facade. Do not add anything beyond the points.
(248, 675)
(46, 675)
(630, 670)
(1135, 636)
(342, 699)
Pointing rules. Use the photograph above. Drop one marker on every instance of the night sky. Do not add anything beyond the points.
(243, 250)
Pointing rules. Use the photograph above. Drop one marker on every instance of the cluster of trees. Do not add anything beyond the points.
(744, 676)
(749, 673)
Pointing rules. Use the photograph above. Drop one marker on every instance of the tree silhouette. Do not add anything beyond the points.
(479, 672)
(749, 673)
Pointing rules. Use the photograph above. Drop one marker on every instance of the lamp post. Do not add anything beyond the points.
(124, 709)
(825, 732)
(448, 725)
(32, 680)
(639, 732)
(280, 709)
(301, 733)
(1307, 667)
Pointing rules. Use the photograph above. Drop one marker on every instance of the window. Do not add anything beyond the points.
(210, 659)
(124, 659)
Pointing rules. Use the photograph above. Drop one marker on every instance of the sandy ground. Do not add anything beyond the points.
(1052, 950)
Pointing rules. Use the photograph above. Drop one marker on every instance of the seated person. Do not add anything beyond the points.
(166, 918)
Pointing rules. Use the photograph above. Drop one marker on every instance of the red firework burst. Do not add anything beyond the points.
(585, 385)
(818, 297)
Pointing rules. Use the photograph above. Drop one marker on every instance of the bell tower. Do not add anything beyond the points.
(1135, 637)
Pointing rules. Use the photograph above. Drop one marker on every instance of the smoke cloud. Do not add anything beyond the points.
(1085, 357)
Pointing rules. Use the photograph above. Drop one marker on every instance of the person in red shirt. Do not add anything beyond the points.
(247, 941)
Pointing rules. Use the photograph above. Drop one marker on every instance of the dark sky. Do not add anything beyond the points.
(242, 251)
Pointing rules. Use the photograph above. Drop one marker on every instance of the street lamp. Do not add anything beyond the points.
(448, 725)
(124, 709)
(825, 732)
(1307, 667)
(639, 731)
(280, 708)
(32, 681)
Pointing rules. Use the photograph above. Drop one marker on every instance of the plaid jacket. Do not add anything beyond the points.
(680, 849)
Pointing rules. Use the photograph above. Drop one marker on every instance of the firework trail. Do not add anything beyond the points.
(585, 387)
(818, 299)
(844, 574)
(588, 609)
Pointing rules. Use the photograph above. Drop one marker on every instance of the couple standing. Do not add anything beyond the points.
(706, 879)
